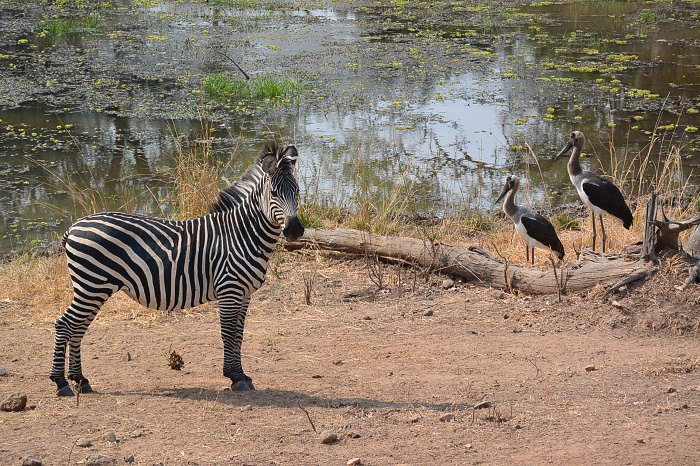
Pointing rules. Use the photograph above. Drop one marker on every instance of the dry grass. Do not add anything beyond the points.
(195, 176)
(35, 288)
(38, 289)
(42, 287)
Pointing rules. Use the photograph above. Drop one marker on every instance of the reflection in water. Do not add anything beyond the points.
(446, 141)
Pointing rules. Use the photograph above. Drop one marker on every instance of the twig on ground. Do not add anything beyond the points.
(309, 418)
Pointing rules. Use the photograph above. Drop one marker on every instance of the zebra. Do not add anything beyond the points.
(177, 264)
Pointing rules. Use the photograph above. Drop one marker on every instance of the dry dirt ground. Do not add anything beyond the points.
(380, 371)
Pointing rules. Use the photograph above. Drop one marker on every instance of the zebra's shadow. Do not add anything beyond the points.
(286, 399)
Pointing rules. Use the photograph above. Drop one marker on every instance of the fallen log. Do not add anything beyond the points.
(476, 265)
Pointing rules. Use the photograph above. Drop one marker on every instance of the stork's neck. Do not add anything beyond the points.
(574, 165)
(509, 206)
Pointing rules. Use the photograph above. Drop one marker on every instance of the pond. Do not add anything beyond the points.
(438, 103)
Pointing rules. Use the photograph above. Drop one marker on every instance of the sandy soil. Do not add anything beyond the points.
(379, 370)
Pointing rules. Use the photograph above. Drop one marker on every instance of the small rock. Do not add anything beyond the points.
(136, 433)
(129, 459)
(328, 437)
(428, 313)
(447, 417)
(97, 460)
(31, 461)
(110, 437)
(447, 284)
(14, 402)
(84, 442)
(518, 330)
(3, 372)
(670, 390)
(126, 357)
(354, 462)
(590, 368)
(247, 408)
(414, 419)
(353, 435)
(483, 405)
(617, 304)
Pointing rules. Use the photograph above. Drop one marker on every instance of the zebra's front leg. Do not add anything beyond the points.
(232, 313)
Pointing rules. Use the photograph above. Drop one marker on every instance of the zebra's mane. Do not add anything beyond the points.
(235, 194)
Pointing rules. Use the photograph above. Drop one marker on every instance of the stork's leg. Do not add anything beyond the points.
(593, 222)
(532, 251)
(556, 278)
(602, 229)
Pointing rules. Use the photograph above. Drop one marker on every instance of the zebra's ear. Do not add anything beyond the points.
(269, 164)
(289, 155)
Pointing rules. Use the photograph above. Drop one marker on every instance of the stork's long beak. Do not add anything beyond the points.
(565, 150)
(506, 188)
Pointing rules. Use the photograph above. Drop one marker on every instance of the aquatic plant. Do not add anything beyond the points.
(54, 29)
(222, 86)
(245, 4)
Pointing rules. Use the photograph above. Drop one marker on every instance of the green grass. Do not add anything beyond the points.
(566, 221)
(241, 4)
(54, 29)
(248, 4)
(221, 86)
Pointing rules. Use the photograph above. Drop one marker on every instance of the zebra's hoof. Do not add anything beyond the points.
(65, 391)
(242, 386)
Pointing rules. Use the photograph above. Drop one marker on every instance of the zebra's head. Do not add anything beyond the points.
(282, 189)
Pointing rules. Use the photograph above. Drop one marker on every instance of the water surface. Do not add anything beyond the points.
(442, 111)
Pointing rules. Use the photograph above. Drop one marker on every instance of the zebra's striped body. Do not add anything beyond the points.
(170, 264)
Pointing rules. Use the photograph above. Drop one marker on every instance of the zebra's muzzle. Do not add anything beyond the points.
(293, 229)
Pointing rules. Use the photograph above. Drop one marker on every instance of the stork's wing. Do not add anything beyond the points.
(605, 195)
(542, 230)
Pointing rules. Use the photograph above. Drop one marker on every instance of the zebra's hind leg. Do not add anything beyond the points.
(232, 313)
(70, 329)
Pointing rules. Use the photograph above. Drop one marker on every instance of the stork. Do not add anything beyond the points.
(533, 228)
(598, 193)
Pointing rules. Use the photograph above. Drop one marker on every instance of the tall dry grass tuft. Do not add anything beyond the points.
(78, 186)
(195, 176)
(34, 288)
(657, 167)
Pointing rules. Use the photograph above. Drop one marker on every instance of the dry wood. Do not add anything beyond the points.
(631, 278)
(648, 246)
(667, 231)
(474, 264)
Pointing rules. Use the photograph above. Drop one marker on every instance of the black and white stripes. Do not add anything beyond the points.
(175, 264)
